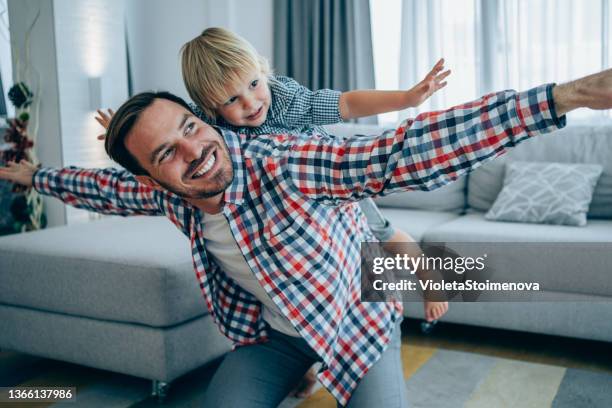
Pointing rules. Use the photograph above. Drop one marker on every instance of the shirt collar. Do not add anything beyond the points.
(234, 193)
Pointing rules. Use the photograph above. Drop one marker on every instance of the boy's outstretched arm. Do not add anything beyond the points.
(357, 104)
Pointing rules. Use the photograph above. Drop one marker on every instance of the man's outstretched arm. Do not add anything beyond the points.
(438, 147)
(106, 191)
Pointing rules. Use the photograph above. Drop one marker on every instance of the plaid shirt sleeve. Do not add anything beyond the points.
(424, 153)
(294, 105)
(107, 191)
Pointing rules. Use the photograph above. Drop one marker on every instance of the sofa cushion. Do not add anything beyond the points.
(573, 270)
(416, 222)
(546, 193)
(583, 143)
(135, 269)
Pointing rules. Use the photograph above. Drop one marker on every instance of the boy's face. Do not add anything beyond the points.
(248, 102)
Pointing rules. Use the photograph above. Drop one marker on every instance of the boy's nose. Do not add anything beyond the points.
(249, 103)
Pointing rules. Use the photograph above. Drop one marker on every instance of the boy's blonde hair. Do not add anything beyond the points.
(212, 61)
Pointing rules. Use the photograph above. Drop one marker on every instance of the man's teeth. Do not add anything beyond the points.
(207, 166)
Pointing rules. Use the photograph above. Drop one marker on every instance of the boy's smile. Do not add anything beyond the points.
(248, 101)
(256, 115)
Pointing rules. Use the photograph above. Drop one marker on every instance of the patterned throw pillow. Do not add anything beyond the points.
(546, 193)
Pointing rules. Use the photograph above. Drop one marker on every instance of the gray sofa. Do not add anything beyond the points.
(120, 293)
(117, 294)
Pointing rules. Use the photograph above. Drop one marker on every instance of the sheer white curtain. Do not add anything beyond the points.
(496, 44)
(542, 40)
(432, 29)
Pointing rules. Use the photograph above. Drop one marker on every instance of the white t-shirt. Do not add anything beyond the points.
(222, 246)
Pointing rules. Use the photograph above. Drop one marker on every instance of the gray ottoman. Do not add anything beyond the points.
(118, 294)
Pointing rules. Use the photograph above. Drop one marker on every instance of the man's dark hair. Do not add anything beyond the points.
(124, 120)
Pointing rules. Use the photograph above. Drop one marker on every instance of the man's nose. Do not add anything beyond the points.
(191, 150)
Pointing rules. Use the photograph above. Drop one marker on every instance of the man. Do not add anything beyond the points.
(275, 252)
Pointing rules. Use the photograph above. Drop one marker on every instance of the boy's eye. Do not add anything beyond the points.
(230, 100)
(254, 83)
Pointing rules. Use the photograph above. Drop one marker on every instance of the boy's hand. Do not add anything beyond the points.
(434, 310)
(433, 82)
(104, 120)
(19, 173)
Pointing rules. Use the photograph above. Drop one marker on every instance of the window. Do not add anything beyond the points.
(488, 44)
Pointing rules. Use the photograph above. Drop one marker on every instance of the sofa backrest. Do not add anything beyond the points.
(582, 143)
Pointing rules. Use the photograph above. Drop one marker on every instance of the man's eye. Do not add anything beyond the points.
(254, 83)
(165, 155)
(230, 100)
(189, 128)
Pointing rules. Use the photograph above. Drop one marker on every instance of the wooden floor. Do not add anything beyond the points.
(417, 348)
(535, 348)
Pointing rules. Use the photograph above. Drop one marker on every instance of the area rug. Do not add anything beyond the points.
(438, 378)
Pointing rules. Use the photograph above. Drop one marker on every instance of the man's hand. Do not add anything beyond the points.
(432, 82)
(104, 120)
(593, 92)
(434, 310)
(20, 173)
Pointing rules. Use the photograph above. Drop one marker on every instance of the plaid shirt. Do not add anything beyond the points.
(294, 109)
(283, 208)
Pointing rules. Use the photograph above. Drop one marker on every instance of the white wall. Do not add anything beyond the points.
(90, 39)
(251, 19)
(158, 28)
(72, 41)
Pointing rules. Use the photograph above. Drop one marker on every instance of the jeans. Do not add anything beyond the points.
(379, 225)
(262, 375)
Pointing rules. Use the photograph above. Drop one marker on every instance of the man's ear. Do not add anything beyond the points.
(149, 181)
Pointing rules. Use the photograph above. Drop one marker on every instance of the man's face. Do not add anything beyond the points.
(248, 101)
(180, 152)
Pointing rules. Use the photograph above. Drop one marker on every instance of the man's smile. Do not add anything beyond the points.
(204, 165)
